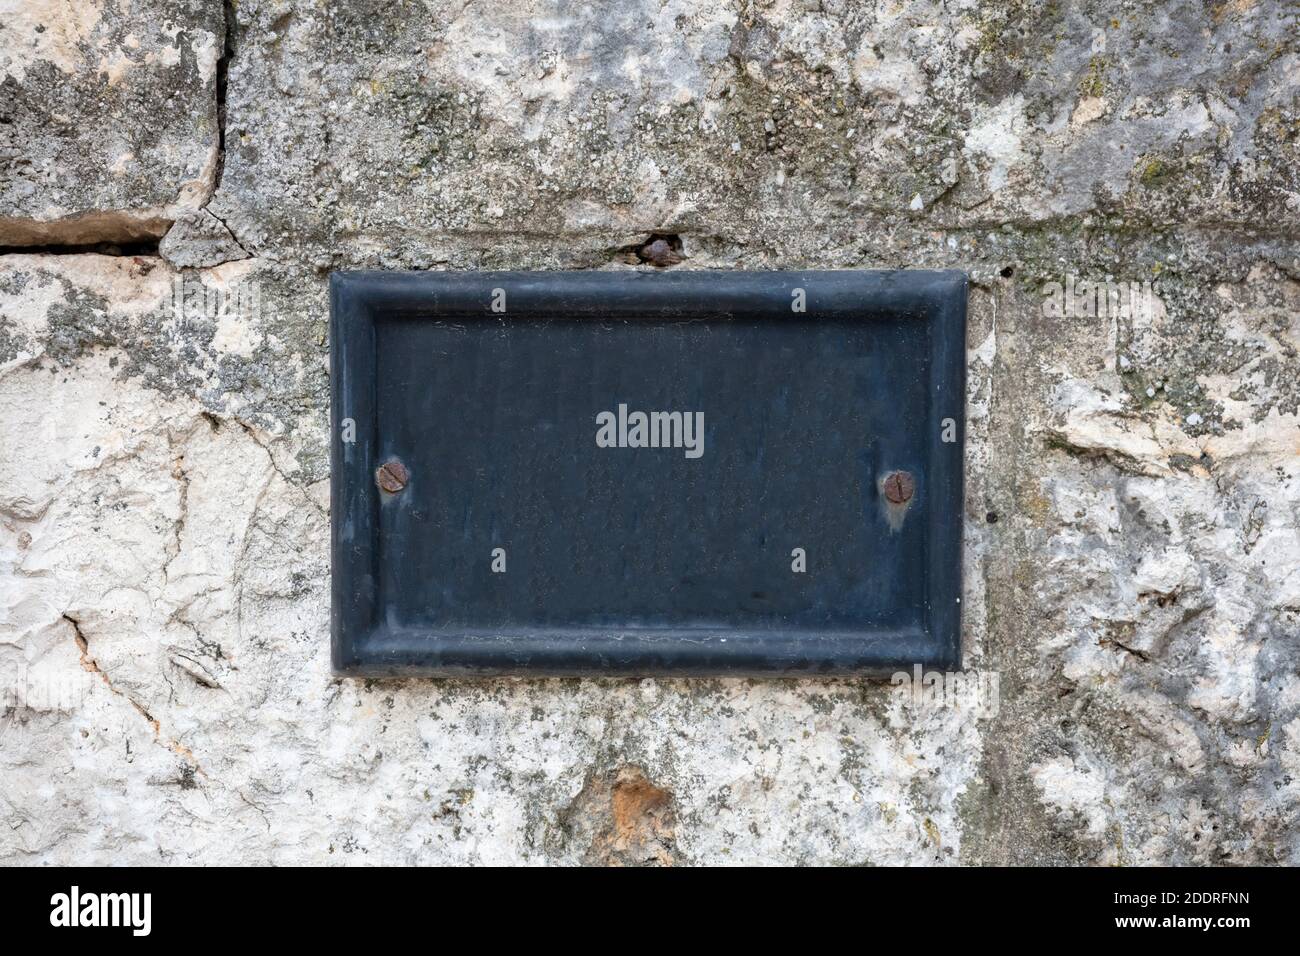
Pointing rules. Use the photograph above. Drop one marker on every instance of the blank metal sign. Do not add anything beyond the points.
(695, 473)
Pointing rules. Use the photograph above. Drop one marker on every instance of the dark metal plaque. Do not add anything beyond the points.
(646, 473)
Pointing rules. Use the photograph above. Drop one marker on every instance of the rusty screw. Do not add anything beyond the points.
(661, 251)
(391, 476)
(898, 487)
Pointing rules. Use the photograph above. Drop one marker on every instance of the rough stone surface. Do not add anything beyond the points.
(1133, 481)
(108, 117)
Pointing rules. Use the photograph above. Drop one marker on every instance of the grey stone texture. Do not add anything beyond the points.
(108, 117)
(199, 239)
(1132, 546)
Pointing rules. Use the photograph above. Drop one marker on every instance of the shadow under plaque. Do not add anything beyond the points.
(635, 473)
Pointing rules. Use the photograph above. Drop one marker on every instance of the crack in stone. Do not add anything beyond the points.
(237, 581)
(195, 670)
(256, 806)
(178, 526)
(223, 79)
(1140, 655)
(121, 240)
(1119, 460)
(231, 232)
(91, 666)
(229, 24)
(252, 433)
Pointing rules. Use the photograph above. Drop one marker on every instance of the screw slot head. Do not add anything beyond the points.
(391, 476)
(898, 487)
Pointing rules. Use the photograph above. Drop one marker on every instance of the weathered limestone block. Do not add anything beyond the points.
(1151, 548)
(568, 122)
(108, 117)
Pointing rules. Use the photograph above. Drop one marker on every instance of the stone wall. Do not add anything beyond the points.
(1133, 479)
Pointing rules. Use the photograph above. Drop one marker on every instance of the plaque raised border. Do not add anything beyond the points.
(365, 643)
